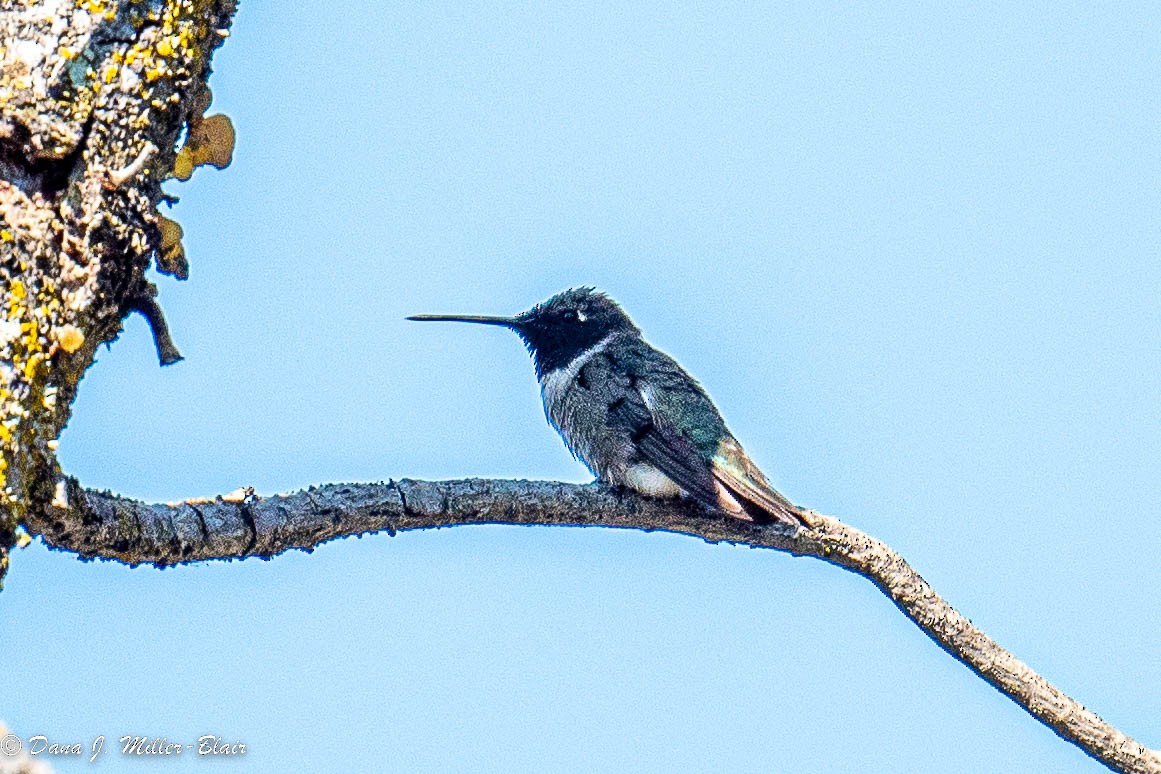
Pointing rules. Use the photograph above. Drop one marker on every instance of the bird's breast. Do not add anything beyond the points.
(576, 408)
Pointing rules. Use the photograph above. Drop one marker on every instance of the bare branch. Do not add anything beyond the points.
(96, 524)
(147, 306)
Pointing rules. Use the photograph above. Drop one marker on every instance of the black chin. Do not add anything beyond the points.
(553, 349)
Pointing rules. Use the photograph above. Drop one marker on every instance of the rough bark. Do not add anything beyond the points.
(93, 96)
(100, 524)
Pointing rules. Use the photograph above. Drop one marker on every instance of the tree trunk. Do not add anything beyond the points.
(93, 96)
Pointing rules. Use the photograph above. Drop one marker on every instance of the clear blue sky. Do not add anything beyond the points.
(913, 255)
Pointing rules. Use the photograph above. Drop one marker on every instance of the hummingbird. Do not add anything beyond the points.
(630, 412)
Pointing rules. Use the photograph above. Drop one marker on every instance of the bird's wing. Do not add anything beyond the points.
(650, 402)
(654, 406)
(671, 452)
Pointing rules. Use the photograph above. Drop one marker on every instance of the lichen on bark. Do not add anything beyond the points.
(94, 95)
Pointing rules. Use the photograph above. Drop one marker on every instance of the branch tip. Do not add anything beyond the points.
(147, 306)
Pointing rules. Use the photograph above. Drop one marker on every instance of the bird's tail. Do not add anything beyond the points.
(739, 476)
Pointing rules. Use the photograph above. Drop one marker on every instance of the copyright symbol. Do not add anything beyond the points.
(10, 744)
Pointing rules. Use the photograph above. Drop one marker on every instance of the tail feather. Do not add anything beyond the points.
(743, 479)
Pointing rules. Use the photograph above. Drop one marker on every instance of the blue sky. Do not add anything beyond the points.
(911, 252)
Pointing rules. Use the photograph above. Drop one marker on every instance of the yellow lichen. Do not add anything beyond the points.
(70, 338)
(171, 255)
(32, 365)
(183, 165)
(210, 141)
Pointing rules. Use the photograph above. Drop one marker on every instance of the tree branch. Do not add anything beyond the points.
(100, 524)
(147, 306)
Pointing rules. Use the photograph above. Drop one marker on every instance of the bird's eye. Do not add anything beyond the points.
(571, 315)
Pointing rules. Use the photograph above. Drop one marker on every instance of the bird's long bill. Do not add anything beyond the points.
(508, 322)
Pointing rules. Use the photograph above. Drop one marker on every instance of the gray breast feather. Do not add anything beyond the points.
(576, 401)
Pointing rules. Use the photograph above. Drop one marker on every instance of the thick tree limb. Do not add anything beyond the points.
(97, 524)
(93, 97)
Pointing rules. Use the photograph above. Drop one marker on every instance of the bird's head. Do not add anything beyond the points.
(557, 330)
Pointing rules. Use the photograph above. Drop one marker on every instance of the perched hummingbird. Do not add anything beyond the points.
(630, 412)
